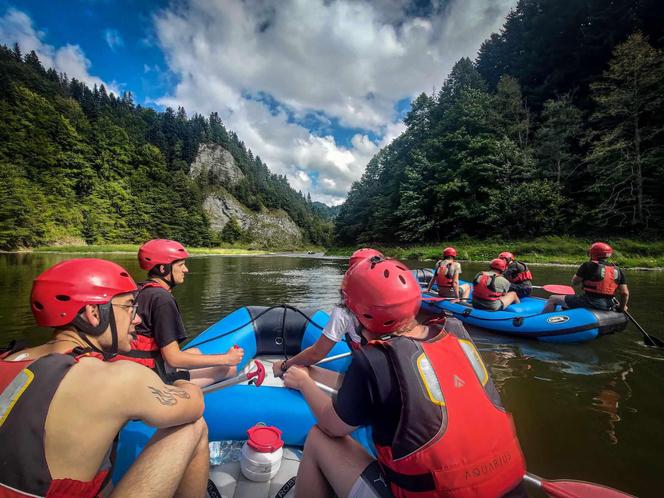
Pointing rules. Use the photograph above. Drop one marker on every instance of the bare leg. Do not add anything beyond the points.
(552, 302)
(194, 481)
(465, 291)
(161, 468)
(206, 376)
(209, 375)
(329, 464)
(509, 298)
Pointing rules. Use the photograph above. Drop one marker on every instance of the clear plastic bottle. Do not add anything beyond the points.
(216, 452)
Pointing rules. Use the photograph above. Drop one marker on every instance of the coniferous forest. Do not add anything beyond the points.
(81, 164)
(557, 127)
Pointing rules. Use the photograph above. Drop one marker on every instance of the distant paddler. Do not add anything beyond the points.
(518, 274)
(491, 290)
(63, 403)
(158, 336)
(341, 326)
(599, 280)
(446, 275)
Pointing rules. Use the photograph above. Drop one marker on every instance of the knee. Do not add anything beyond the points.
(314, 438)
(232, 371)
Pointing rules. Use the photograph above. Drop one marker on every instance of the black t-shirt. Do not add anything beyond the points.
(369, 397)
(160, 316)
(513, 269)
(590, 271)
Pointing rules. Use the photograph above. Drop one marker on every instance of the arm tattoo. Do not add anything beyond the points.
(169, 395)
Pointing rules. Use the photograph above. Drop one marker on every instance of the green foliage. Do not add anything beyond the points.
(83, 164)
(232, 231)
(549, 132)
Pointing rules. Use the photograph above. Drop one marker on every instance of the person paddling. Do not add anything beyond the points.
(446, 275)
(437, 421)
(518, 274)
(161, 330)
(62, 406)
(491, 291)
(599, 280)
(342, 325)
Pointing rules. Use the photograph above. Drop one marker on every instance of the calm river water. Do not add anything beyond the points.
(589, 411)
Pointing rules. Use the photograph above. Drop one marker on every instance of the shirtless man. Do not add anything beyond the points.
(62, 406)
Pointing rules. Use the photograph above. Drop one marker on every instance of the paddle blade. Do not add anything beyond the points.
(581, 489)
(565, 290)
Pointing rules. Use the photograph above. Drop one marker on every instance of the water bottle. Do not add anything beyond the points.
(215, 453)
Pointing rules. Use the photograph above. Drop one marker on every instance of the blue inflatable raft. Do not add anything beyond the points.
(526, 319)
(268, 335)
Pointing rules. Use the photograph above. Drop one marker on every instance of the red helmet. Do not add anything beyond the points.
(360, 254)
(382, 293)
(449, 251)
(160, 252)
(506, 255)
(59, 293)
(498, 264)
(600, 250)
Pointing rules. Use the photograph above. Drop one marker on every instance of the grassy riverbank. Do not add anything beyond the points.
(628, 253)
(235, 249)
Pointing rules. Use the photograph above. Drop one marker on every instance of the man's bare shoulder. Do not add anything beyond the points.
(119, 376)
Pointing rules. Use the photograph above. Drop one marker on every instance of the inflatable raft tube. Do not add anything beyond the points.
(526, 319)
(265, 334)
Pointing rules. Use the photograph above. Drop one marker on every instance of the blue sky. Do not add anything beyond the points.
(315, 88)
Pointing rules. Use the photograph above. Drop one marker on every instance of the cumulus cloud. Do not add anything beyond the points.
(17, 27)
(347, 61)
(113, 38)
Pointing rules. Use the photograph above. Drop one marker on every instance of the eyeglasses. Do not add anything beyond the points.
(132, 307)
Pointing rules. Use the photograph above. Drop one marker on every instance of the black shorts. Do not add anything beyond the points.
(522, 289)
(167, 373)
(372, 483)
(446, 292)
(585, 301)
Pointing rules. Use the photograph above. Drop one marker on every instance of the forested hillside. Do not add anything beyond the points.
(556, 128)
(82, 164)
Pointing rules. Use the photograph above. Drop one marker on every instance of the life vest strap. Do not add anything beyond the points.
(414, 483)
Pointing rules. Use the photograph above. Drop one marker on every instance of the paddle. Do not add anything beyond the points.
(574, 489)
(332, 358)
(565, 290)
(259, 375)
(648, 340)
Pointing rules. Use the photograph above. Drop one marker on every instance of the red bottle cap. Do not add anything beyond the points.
(264, 438)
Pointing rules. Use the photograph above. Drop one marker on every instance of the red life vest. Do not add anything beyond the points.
(523, 273)
(144, 349)
(484, 287)
(27, 389)
(606, 281)
(454, 438)
(445, 278)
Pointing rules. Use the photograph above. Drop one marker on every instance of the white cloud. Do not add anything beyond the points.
(345, 60)
(113, 38)
(17, 27)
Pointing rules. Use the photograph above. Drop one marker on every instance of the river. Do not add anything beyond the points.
(585, 411)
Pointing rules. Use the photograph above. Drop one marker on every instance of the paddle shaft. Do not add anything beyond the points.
(332, 358)
(561, 489)
(649, 340)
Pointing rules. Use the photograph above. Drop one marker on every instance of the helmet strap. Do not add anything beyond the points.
(106, 318)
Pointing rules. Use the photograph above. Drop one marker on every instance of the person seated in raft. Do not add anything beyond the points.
(491, 291)
(63, 405)
(342, 325)
(446, 275)
(518, 274)
(419, 454)
(599, 280)
(161, 331)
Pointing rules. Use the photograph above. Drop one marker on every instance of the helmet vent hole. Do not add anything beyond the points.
(401, 268)
(403, 280)
(386, 273)
(124, 274)
(366, 315)
(62, 297)
(148, 259)
(38, 305)
(388, 323)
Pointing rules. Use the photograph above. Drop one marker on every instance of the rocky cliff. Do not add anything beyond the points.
(215, 168)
